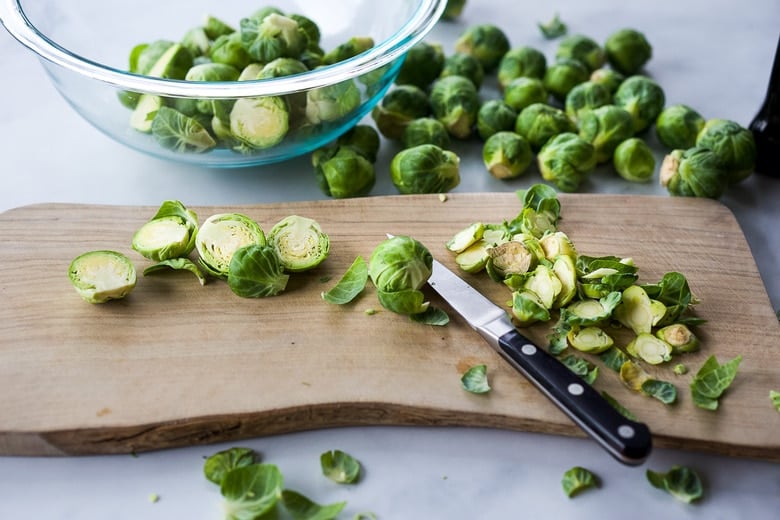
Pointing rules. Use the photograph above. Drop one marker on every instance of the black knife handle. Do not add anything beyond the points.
(628, 441)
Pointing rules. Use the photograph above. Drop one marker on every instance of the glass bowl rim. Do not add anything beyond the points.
(413, 30)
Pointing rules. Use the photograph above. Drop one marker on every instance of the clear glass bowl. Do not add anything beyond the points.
(84, 46)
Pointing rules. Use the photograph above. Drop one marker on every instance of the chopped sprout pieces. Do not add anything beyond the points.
(577, 480)
(681, 482)
(340, 467)
(475, 380)
(100, 276)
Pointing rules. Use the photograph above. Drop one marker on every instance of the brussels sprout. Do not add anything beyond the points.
(466, 65)
(99, 276)
(299, 242)
(527, 309)
(256, 272)
(608, 78)
(650, 349)
(590, 312)
(627, 51)
(539, 122)
(506, 155)
(422, 65)
(259, 122)
(586, 96)
(453, 9)
(508, 258)
(332, 102)
(211, 72)
(605, 128)
(583, 49)
(309, 28)
(523, 92)
(400, 106)
(349, 49)
(592, 340)
(634, 161)
(264, 11)
(521, 62)
(214, 27)
(312, 57)
(229, 50)
(170, 233)
(455, 102)
(695, 172)
(364, 139)
(564, 75)
(282, 67)
(272, 36)
(180, 133)
(425, 130)
(643, 98)
(250, 72)
(486, 42)
(565, 160)
(734, 145)
(678, 125)
(221, 235)
(399, 267)
(679, 337)
(161, 58)
(343, 173)
(495, 116)
(425, 169)
(557, 243)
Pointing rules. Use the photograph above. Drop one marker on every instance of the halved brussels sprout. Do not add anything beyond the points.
(259, 122)
(528, 308)
(221, 235)
(557, 243)
(592, 340)
(466, 237)
(169, 234)
(564, 269)
(636, 310)
(100, 276)
(680, 337)
(509, 258)
(650, 349)
(299, 242)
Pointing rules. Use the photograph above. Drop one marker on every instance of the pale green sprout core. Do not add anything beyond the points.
(221, 235)
(299, 242)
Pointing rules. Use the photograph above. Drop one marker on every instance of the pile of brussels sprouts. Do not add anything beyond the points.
(267, 44)
(590, 105)
(230, 246)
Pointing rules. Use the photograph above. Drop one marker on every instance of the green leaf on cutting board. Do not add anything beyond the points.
(475, 380)
(350, 285)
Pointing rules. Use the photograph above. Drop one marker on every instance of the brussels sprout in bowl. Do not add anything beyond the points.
(221, 84)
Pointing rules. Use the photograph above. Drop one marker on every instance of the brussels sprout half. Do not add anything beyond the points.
(169, 234)
(100, 276)
(221, 235)
(299, 243)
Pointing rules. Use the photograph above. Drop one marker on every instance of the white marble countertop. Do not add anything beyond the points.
(715, 55)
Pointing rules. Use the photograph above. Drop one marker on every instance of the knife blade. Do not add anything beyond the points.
(628, 441)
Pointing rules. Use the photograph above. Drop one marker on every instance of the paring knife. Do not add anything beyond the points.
(628, 441)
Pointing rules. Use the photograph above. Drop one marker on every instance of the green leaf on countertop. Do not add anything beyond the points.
(301, 507)
(614, 358)
(340, 467)
(350, 285)
(475, 380)
(577, 480)
(681, 482)
(712, 380)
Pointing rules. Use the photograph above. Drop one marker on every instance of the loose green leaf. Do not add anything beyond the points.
(474, 380)
(221, 463)
(554, 28)
(340, 466)
(578, 479)
(302, 508)
(712, 380)
(177, 264)
(614, 358)
(664, 391)
(774, 396)
(681, 482)
(431, 316)
(251, 491)
(625, 412)
(587, 371)
(350, 285)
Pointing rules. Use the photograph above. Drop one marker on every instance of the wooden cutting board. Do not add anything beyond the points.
(177, 363)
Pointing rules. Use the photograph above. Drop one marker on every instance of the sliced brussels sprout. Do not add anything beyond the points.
(465, 237)
(635, 310)
(169, 234)
(509, 258)
(486, 42)
(506, 155)
(628, 50)
(299, 242)
(425, 169)
(259, 122)
(564, 269)
(399, 267)
(474, 258)
(543, 282)
(680, 337)
(100, 276)
(650, 349)
(528, 308)
(521, 62)
(633, 375)
(556, 244)
(455, 102)
(256, 272)
(592, 340)
(221, 235)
